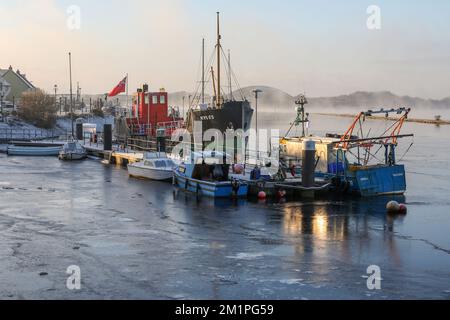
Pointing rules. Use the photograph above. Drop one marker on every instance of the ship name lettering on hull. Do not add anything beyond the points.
(208, 117)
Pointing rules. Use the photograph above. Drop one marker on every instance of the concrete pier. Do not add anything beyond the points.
(114, 156)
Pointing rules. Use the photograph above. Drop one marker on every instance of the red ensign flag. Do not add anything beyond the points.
(121, 87)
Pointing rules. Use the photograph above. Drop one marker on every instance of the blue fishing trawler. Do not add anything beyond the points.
(207, 174)
(371, 180)
(362, 177)
(353, 164)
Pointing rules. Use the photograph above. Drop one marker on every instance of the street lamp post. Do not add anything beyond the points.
(184, 98)
(257, 92)
(1, 102)
(56, 92)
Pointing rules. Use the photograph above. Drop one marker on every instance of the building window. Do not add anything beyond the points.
(155, 100)
(147, 99)
(162, 99)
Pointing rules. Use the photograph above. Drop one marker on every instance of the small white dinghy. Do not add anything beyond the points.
(33, 151)
(72, 150)
(155, 166)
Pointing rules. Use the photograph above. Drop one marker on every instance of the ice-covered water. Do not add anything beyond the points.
(141, 239)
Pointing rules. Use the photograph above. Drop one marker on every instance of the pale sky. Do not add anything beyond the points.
(323, 48)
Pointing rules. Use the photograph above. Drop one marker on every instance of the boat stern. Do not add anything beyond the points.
(379, 180)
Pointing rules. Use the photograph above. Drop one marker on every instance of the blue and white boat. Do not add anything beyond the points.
(207, 175)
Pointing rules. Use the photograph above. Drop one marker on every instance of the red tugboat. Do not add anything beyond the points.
(151, 115)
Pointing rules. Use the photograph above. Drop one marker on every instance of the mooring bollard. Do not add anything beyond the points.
(308, 163)
(79, 131)
(107, 137)
(161, 144)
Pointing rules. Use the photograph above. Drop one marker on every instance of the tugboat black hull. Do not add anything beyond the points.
(235, 115)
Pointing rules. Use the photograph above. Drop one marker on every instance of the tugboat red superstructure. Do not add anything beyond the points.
(151, 114)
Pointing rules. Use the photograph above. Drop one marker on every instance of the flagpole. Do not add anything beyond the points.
(127, 97)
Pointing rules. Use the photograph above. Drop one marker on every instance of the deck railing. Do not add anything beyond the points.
(7, 134)
(148, 145)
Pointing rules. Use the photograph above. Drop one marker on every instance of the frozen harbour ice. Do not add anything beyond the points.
(135, 239)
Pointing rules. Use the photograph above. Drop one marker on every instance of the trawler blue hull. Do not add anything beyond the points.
(377, 180)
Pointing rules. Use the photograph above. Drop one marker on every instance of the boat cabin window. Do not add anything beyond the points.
(147, 99)
(155, 99)
(170, 164)
(160, 164)
(214, 172)
(210, 160)
(148, 163)
(162, 99)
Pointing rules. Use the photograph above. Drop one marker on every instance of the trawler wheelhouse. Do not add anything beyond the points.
(150, 116)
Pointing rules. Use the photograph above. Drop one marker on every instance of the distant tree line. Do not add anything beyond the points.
(39, 108)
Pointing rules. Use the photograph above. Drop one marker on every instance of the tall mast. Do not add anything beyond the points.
(203, 71)
(229, 76)
(71, 93)
(214, 84)
(218, 97)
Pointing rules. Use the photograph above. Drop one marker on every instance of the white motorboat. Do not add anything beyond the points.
(155, 166)
(72, 150)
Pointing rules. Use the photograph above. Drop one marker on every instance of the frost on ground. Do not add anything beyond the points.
(17, 129)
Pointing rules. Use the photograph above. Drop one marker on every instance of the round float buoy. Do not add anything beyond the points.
(403, 209)
(393, 206)
(262, 195)
(239, 169)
